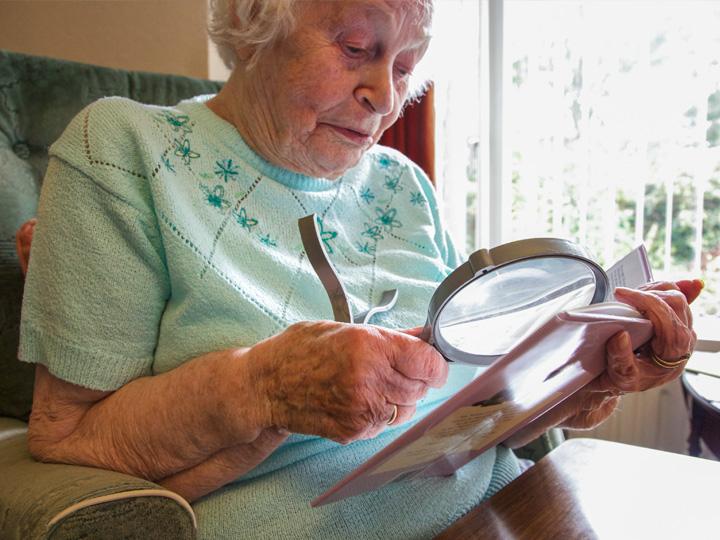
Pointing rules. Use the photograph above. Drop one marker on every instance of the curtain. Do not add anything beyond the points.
(414, 133)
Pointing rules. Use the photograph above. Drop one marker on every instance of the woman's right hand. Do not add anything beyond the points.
(340, 381)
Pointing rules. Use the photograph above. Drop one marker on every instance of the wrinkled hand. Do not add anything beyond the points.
(666, 304)
(340, 381)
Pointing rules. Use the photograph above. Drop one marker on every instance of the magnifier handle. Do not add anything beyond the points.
(321, 264)
(342, 312)
(386, 303)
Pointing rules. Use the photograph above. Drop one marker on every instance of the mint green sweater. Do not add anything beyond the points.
(162, 236)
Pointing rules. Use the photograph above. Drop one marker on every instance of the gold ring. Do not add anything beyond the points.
(394, 415)
(667, 364)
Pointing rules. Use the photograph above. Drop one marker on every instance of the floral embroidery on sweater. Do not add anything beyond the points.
(367, 195)
(393, 184)
(215, 197)
(244, 221)
(183, 150)
(178, 122)
(386, 218)
(226, 169)
(417, 199)
(326, 236)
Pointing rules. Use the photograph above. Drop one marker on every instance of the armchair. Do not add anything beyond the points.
(38, 98)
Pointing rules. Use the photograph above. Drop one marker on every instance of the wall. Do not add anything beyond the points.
(166, 36)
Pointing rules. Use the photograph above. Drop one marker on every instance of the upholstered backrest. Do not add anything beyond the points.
(38, 98)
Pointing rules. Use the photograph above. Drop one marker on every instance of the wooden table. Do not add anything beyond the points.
(597, 489)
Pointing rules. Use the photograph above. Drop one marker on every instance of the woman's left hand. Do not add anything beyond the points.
(666, 304)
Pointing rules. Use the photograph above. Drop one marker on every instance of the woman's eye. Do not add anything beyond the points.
(353, 51)
(403, 72)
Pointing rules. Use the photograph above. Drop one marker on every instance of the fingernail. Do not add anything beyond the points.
(702, 283)
(624, 340)
(621, 290)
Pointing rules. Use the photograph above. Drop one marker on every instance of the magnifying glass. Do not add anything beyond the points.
(498, 297)
(490, 303)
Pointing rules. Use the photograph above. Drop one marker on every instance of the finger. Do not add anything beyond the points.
(691, 288)
(414, 332)
(589, 418)
(415, 359)
(373, 429)
(678, 303)
(673, 334)
(657, 286)
(621, 375)
(397, 388)
(404, 414)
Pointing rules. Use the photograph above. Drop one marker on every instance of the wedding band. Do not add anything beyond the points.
(667, 364)
(394, 415)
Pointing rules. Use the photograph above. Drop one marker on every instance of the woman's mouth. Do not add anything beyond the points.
(359, 138)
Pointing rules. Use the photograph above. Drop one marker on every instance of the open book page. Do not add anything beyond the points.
(555, 361)
(631, 271)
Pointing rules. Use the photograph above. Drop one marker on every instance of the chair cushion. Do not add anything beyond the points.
(38, 98)
(64, 502)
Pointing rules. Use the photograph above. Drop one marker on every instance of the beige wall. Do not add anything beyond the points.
(166, 36)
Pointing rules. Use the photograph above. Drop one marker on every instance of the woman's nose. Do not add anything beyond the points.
(377, 89)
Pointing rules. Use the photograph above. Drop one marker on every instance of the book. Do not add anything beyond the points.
(547, 367)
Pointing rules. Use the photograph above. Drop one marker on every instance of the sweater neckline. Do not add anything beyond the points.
(231, 137)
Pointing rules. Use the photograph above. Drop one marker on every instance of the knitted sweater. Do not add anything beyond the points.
(162, 236)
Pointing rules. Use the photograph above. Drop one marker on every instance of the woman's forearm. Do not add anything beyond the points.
(219, 415)
(224, 466)
(153, 427)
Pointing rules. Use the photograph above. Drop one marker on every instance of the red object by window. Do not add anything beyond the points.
(414, 133)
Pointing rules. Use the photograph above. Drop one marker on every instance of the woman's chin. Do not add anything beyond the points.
(333, 166)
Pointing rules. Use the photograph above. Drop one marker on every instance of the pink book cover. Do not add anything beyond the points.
(550, 365)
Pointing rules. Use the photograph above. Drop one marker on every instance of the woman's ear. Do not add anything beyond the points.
(244, 52)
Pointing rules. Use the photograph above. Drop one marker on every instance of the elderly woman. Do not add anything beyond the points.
(179, 331)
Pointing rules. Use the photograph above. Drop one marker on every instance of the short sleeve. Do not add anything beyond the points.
(97, 281)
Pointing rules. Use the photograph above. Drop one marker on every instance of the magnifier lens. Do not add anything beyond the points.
(497, 310)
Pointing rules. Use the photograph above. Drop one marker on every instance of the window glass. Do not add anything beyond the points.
(610, 129)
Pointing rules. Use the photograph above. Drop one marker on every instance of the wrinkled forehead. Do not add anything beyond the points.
(413, 18)
(415, 12)
(419, 12)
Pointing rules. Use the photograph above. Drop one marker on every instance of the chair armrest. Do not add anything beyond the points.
(58, 502)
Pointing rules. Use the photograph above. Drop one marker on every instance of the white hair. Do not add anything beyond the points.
(262, 23)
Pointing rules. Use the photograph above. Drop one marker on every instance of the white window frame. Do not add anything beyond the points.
(492, 206)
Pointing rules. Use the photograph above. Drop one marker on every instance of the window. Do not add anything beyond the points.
(596, 121)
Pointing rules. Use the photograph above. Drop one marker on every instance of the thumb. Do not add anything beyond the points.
(414, 332)
(621, 373)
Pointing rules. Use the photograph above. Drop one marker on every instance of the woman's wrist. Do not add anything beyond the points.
(242, 408)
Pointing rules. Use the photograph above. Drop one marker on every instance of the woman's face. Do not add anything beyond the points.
(319, 99)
